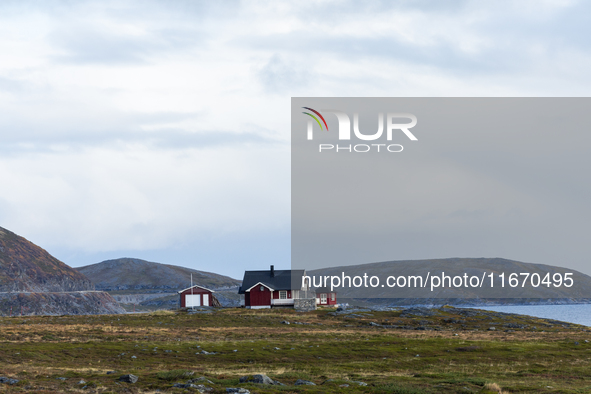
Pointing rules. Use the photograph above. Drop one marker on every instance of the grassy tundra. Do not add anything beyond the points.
(449, 352)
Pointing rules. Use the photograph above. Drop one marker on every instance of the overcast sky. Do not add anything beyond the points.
(160, 130)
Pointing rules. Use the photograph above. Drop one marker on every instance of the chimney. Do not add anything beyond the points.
(272, 271)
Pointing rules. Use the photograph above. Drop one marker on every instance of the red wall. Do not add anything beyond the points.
(276, 294)
(196, 290)
(328, 300)
(258, 297)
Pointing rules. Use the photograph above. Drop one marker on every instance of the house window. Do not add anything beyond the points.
(283, 295)
(333, 297)
(323, 298)
(262, 288)
(295, 294)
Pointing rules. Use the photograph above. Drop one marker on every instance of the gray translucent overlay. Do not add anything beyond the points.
(490, 187)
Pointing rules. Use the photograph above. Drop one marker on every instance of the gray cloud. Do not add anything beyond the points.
(153, 125)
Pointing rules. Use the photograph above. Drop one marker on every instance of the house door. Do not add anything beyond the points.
(192, 300)
(205, 299)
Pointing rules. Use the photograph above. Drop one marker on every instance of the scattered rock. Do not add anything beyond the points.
(237, 390)
(82, 381)
(468, 312)
(111, 372)
(284, 322)
(454, 321)
(491, 329)
(418, 311)
(344, 385)
(300, 382)
(259, 379)
(62, 379)
(128, 378)
(576, 343)
(199, 387)
(361, 383)
(184, 386)
(515, 325)
(8, 380)
(201, 379)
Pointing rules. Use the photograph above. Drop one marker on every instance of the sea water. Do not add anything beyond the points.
(578, 313)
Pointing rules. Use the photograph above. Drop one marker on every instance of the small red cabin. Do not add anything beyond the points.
(326, 296)
(273, 288)
(196, 296)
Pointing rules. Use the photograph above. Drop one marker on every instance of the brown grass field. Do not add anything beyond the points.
(449, 352)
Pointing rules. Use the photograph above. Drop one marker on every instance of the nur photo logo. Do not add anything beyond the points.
(392, 124)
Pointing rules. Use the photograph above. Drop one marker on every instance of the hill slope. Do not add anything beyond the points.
(580, 291)
(25, 266)
(136, 274)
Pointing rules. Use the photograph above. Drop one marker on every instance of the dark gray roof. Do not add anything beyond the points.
(281, 281)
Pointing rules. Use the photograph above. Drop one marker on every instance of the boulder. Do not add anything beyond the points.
(259, 379)
(128, 378)
(300, 382)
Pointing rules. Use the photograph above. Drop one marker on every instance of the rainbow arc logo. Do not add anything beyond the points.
(315, 118)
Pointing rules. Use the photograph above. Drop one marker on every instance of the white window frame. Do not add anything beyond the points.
(323, 298)
(282, 294)
(333, 297)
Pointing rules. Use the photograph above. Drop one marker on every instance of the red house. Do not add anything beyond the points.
(273, 288)
(325, 296)
(196, 296)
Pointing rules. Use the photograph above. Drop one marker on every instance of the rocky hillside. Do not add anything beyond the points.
(33, 282)
(553, 291)
(25, 266)
(136, 274)
(72, 303)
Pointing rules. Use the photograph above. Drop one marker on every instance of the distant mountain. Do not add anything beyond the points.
(25, 266)
(136, 274)
(479, 267)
